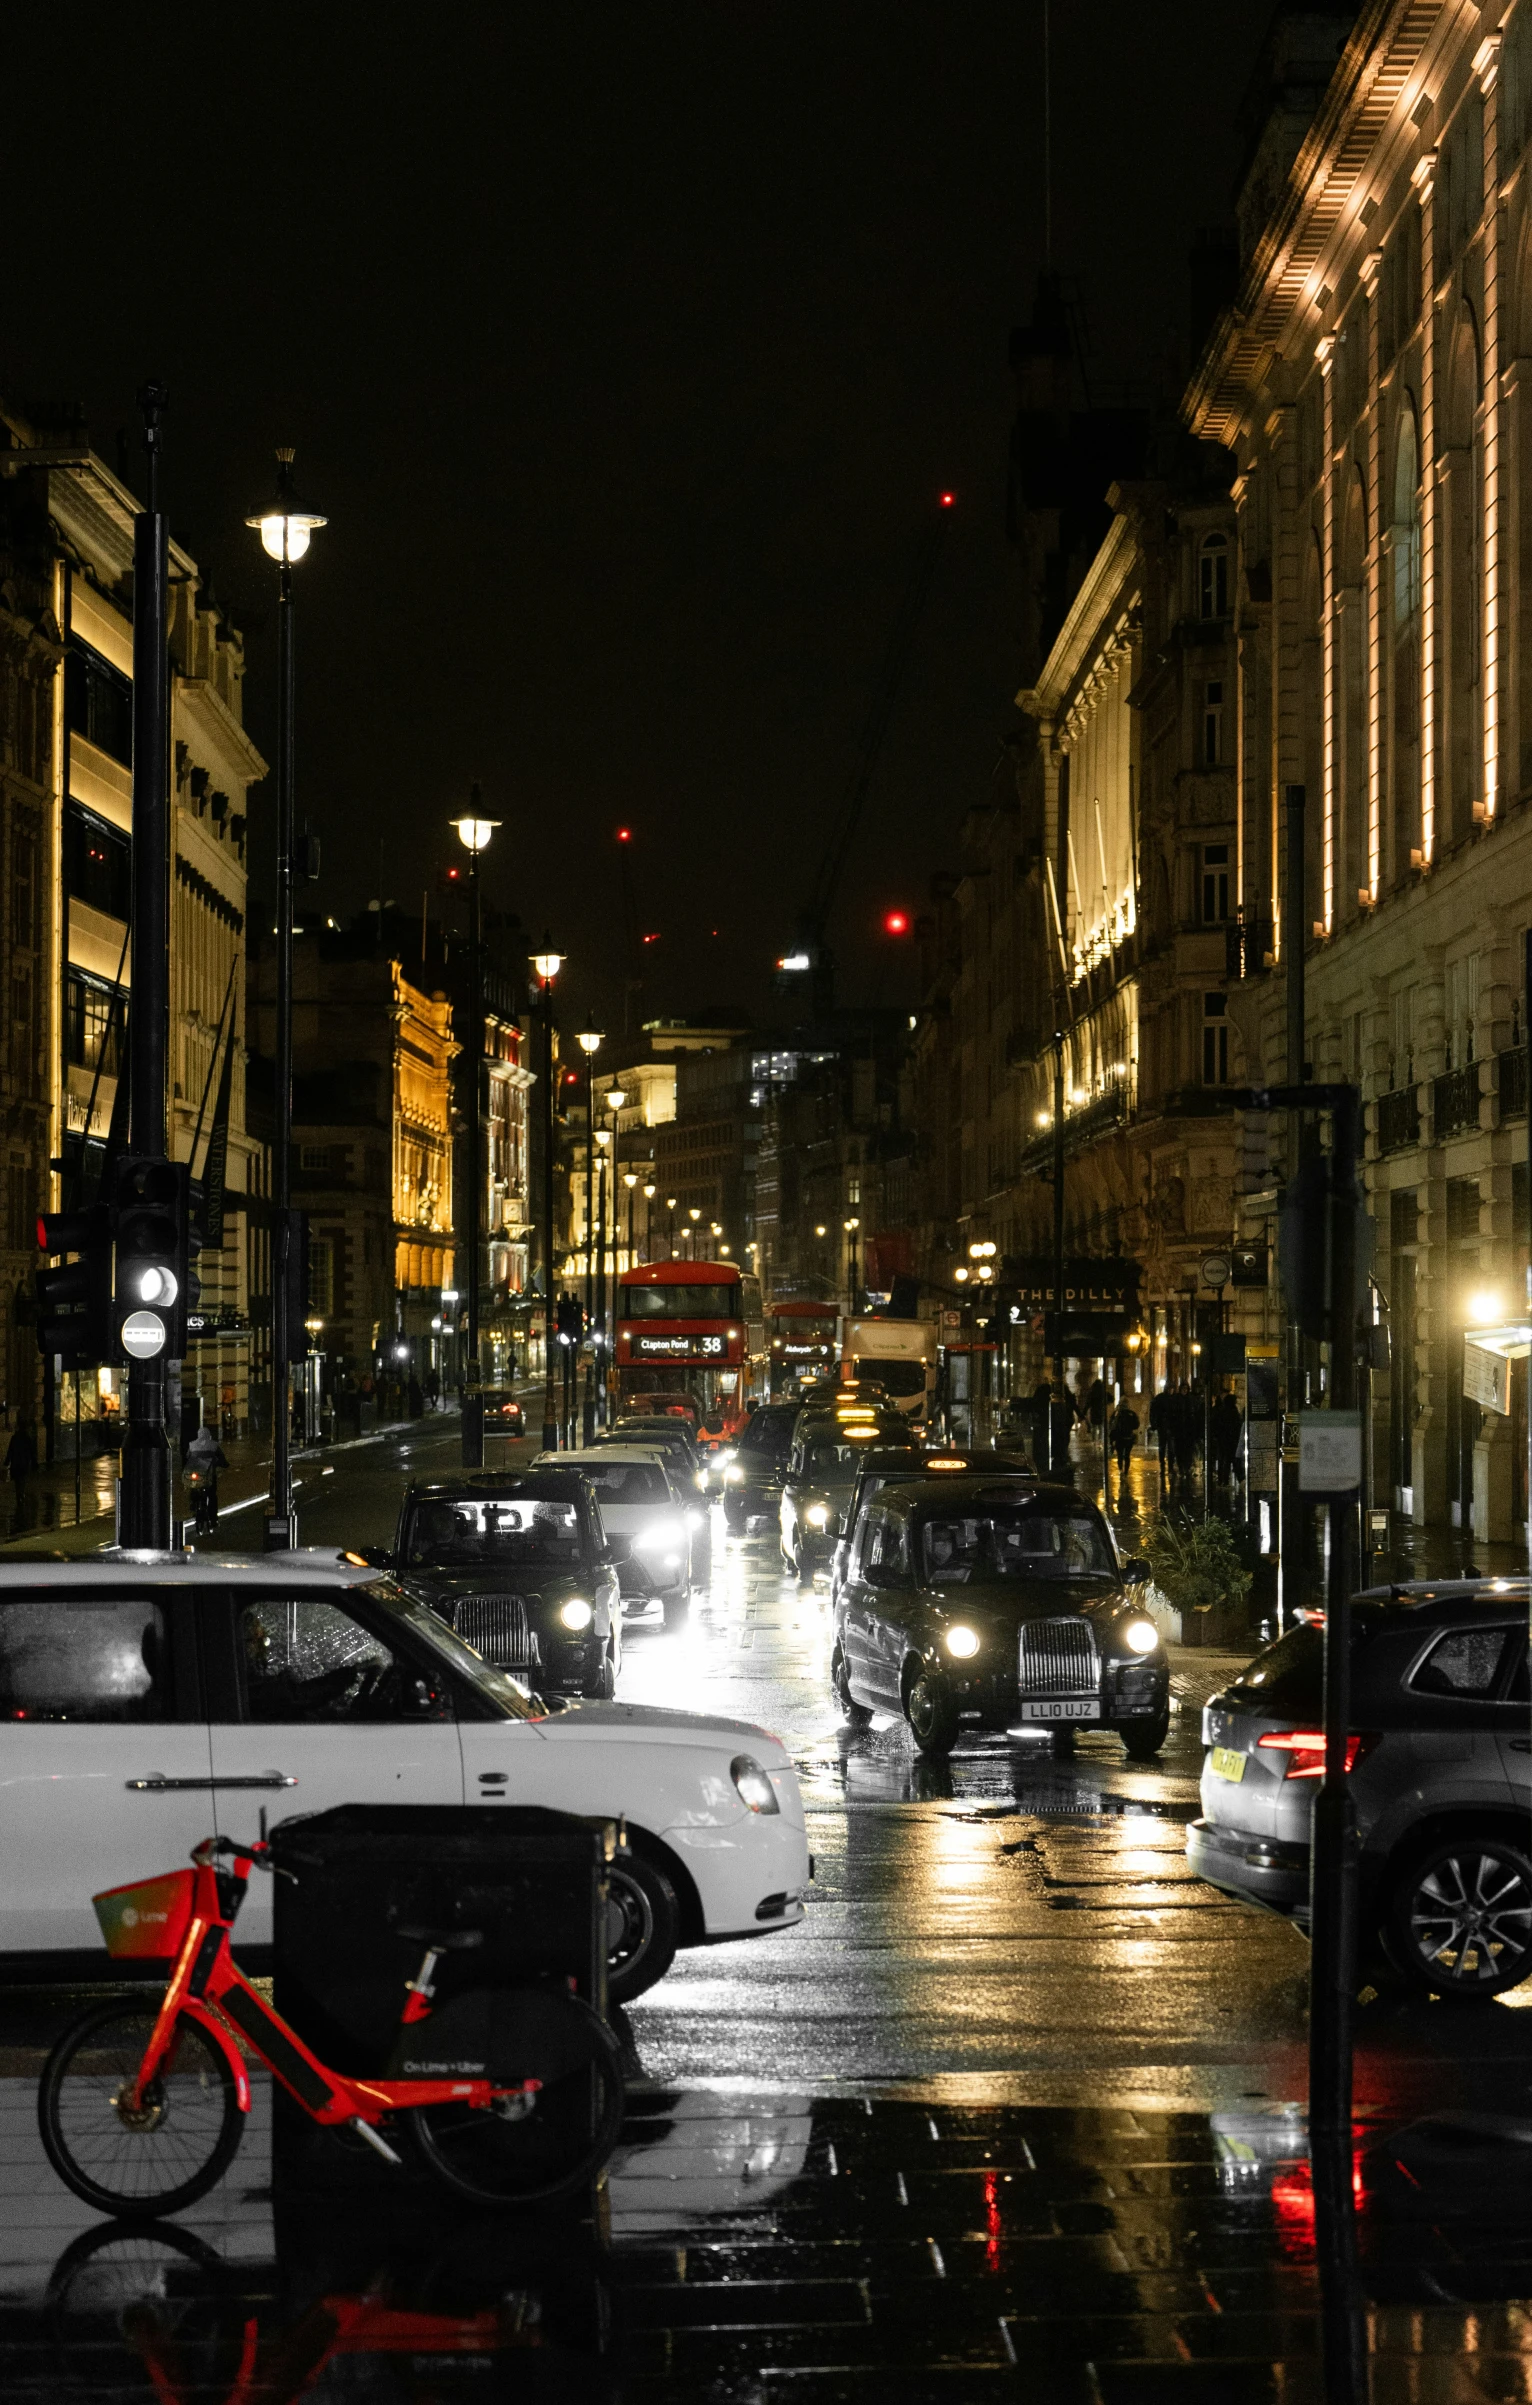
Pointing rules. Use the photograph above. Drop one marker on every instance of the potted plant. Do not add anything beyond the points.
(1197, 1570)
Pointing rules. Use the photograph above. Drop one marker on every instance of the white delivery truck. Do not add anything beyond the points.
(899, 1355)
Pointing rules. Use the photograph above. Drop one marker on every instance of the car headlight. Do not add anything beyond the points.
(659, 1533)
(733, 1475)
(1140, 1636)
(755, 1788)
(576, 1613)
(728, 1453)
(963, 1642)
(818, 1515)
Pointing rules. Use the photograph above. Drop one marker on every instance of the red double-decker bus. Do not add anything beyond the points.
(690, 1327)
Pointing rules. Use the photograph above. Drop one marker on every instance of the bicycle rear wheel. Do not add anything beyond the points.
(563, 2136)
(161, 2158)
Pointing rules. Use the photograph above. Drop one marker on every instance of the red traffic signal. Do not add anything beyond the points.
(896, 922)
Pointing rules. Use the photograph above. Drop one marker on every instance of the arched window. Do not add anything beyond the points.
(1213, 577)
(1406, 518)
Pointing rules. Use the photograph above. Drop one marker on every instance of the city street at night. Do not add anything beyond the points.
(766, 1205)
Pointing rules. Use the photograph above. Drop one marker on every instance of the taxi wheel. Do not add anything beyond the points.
(643, 1927)
(734, 1518)
(674, 1608)
(603, 1686)
(857, 1715)
(803, 1571)
(933, 1717)
(1144, 1739)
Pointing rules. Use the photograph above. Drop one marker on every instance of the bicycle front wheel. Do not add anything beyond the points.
(526, 2151)
(159, 2158)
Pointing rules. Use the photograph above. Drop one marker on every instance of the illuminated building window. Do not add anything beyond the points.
(1213, 577)
(1215, 884)
(1212, 722)
(1215, 1040)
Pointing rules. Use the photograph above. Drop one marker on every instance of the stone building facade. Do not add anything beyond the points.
(372, 1157)
(1372, 382)
(66, 676)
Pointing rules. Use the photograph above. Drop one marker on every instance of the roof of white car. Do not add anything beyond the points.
(601, 1454)
(307, 1566)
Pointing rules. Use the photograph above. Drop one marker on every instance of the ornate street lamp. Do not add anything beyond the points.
(286, 528)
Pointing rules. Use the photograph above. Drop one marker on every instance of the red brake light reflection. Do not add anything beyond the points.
(1307, 1748)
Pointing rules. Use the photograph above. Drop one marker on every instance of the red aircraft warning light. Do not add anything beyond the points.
(896, 922)
(949, 500)
(625, 835)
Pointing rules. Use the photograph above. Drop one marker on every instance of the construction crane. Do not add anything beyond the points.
(810, 956)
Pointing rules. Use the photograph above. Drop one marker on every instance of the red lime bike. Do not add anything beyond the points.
(511, 2095)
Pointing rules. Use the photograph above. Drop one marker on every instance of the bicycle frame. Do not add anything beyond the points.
(208, 1987)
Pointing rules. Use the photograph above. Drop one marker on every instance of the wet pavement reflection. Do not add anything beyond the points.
(1015, 2112)
(815, 2247)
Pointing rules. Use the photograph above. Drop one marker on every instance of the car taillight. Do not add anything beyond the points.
(1307, 1749)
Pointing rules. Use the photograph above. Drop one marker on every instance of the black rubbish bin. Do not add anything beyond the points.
(533, 1881)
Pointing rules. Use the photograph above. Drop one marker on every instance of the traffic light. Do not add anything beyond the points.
(74, 1304)
(153, 1219)
(571, 1317)
(1304, 1245)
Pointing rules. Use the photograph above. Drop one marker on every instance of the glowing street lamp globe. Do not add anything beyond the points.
(284, 525)
(590, 1040)
(547, 965)
(474, 833)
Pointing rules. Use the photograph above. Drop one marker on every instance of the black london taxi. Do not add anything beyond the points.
(521, 1568)
(822, 1467)
(1001, 1602)
(884, 1466)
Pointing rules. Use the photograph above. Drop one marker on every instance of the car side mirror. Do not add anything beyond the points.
(1136, 1571)
(377, 1557)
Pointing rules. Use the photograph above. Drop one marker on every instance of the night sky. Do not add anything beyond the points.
(627, 348)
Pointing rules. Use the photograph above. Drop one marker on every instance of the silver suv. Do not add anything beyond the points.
(1441, 1771)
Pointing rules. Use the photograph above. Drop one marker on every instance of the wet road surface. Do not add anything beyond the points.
(1016, 2112)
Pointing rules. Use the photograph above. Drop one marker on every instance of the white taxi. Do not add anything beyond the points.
(146, 1702)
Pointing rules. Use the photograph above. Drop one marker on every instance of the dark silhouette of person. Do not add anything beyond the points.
(1226, 1427)
(1122, 1434)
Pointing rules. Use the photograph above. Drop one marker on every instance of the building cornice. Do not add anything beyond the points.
(1092, 615)
(1380, 77)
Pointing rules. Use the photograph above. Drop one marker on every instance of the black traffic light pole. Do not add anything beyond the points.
(144, 1516)
(1333, 1852)
(473, 1382)
(281, 1519)
(550, 1307)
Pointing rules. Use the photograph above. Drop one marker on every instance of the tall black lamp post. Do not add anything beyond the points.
(548, 963)
(474, 832)
(590, 1040)
(614, 1099)
(286, 528)
(851, 1226)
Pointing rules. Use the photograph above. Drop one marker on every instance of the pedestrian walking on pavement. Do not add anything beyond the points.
(205, 1457)
(1185, 1415)
(1161, 1416)
(1122, 1434)
(1061, 1421)
(1225, 1428)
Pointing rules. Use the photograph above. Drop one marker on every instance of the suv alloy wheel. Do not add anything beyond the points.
(1459, 1919)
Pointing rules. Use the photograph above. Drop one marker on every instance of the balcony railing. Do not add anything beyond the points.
(1398, 1120)
(1455, 1102)
(1512, 1068)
